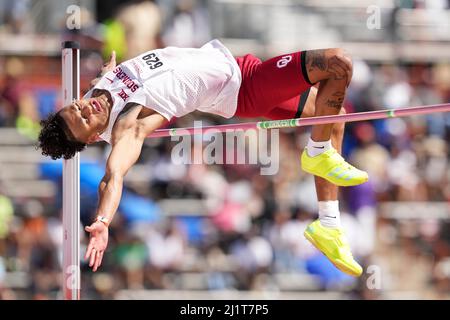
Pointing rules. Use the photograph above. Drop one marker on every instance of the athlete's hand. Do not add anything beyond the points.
(107, 66)
(97, 244)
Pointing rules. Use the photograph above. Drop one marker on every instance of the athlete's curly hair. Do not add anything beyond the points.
(56, 140)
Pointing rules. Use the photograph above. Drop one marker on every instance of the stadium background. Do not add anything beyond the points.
(226, 231)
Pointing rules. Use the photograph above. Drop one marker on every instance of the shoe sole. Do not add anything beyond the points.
(336, 262)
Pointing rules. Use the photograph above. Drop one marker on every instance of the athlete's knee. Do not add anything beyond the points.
(325, 64)
(341, 55)
(340, 64)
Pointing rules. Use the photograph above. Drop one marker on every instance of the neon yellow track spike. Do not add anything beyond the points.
(333, 244)
(332, 167)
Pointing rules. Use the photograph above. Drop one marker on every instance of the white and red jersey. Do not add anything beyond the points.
(174, 82)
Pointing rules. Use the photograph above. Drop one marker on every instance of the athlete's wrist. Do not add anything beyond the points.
(102, 219)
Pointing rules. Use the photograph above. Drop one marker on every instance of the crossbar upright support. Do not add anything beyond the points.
(71, 180)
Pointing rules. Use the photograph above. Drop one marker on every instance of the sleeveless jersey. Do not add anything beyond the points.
(174, 82)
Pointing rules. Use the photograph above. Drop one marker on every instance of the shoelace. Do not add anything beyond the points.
(341, 160)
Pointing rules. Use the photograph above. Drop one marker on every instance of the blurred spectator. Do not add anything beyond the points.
(10, 92)
(15, 15)
(17, 101)
(165, 250)
(280, 239)
(252, 255)
(131, 256)
(6, 217)
(189, 26)
(141, 22)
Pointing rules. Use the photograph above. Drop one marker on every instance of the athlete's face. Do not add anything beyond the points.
(86, 118)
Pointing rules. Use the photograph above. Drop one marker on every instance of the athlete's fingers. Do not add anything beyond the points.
(96, 262)
(89, 250)
(112, 61)
(100, 257)
(92, 259)
(99, 260)
(94, 265)
(113, 57)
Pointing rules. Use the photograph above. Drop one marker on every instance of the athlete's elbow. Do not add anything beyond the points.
(112, 176)
(111, 184)
(116, 176)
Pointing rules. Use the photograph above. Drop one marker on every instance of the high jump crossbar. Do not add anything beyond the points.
(300, 122)
(71, 285)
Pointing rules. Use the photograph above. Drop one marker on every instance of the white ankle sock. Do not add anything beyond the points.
(329, 215)
(314, 148)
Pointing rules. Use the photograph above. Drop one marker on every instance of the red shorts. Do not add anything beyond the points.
(275, 89)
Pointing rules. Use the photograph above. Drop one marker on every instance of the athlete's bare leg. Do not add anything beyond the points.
(325, 190)
(332, 69)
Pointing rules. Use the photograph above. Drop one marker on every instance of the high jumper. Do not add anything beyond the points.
(130, 101)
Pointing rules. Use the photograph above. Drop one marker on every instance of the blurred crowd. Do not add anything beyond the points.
(247, 232)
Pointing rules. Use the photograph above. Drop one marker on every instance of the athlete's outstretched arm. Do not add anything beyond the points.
(123, 155)
(125, 151)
